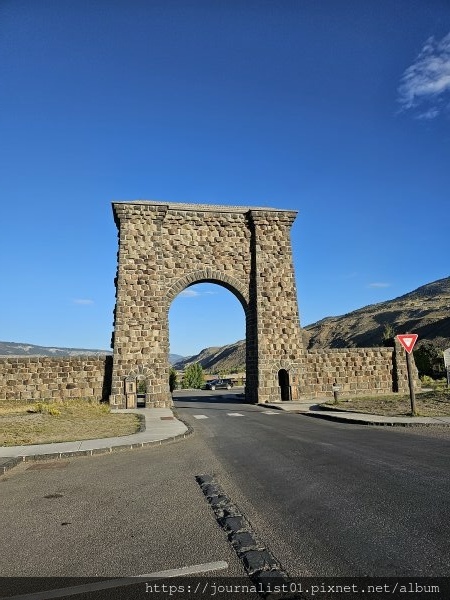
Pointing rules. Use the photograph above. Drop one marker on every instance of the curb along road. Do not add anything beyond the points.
(173, 429)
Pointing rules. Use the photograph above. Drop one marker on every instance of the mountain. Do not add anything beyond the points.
(23, 349)
(219, 358)
(174, 358)
(425, 311)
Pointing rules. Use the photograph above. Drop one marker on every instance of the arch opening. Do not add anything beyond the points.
(207, 323)
(284, 385)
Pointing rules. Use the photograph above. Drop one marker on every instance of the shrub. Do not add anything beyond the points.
(45, 408)
(193, 376)
(172, 379)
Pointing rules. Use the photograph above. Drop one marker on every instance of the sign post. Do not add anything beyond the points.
(447, 364)
(407, 340)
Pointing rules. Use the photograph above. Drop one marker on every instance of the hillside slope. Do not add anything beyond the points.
(217, 359)
(23, 349)
(425, 311)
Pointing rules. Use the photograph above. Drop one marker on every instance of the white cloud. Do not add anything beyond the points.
(429, 114)
(425, 84)
(379, 284)
(82, 301)
(189, 293)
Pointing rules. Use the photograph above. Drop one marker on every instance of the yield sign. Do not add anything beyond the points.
(407, 340)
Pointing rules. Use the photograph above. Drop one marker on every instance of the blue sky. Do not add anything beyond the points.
(337, 109)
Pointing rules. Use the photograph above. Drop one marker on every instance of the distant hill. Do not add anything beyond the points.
(425, 311)
(174, 358)
(219, 358)
(23, 349)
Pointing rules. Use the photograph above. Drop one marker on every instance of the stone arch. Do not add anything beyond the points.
(166, 247)
(209, 276)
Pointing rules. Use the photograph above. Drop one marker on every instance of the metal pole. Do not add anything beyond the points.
(412, 394)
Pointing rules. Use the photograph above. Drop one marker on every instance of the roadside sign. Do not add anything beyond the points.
(447, 358)
(407, 340)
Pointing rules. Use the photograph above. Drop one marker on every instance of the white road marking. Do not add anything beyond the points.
(200, 416)
(234, 415)
(271, 412)
(124, 581)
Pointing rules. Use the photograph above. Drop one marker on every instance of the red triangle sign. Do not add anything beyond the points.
(407, 340)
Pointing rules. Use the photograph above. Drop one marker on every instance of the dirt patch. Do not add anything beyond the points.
(42, 422)
(428, 404)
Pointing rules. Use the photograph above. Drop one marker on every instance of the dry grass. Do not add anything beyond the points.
(433, 403)
(46, 422)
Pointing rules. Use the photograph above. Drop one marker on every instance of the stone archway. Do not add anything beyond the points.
(166, 247)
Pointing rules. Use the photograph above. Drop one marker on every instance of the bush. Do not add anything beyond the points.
(193, 377)
(429, 361)
(172, 379)
(45, 408)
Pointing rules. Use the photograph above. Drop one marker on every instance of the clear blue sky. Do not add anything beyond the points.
(338, 109)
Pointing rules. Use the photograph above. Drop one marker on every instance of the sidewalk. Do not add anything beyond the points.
(160, 425)
(314, 409)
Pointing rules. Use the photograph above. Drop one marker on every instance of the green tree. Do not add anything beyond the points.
(172, 379)
(141, 385)
(429, 360)
(388, 335)
(193, 376)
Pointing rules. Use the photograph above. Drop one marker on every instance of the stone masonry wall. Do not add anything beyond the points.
(357, 371)
(46, 378)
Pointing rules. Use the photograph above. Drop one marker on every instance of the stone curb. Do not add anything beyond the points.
(14, 461)
(10, 464)
(368, 421)
(340, 418)
(259, 563)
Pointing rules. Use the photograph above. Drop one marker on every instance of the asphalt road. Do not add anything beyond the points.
(326, 499)
(331, 498)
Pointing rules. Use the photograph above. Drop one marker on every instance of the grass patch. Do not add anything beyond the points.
(433, 403)
(23, 423)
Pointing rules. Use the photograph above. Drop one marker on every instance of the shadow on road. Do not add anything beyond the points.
(207, 397)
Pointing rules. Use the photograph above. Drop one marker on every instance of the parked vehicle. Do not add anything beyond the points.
(219, 384)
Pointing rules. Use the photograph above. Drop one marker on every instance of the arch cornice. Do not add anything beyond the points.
(208, 275)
